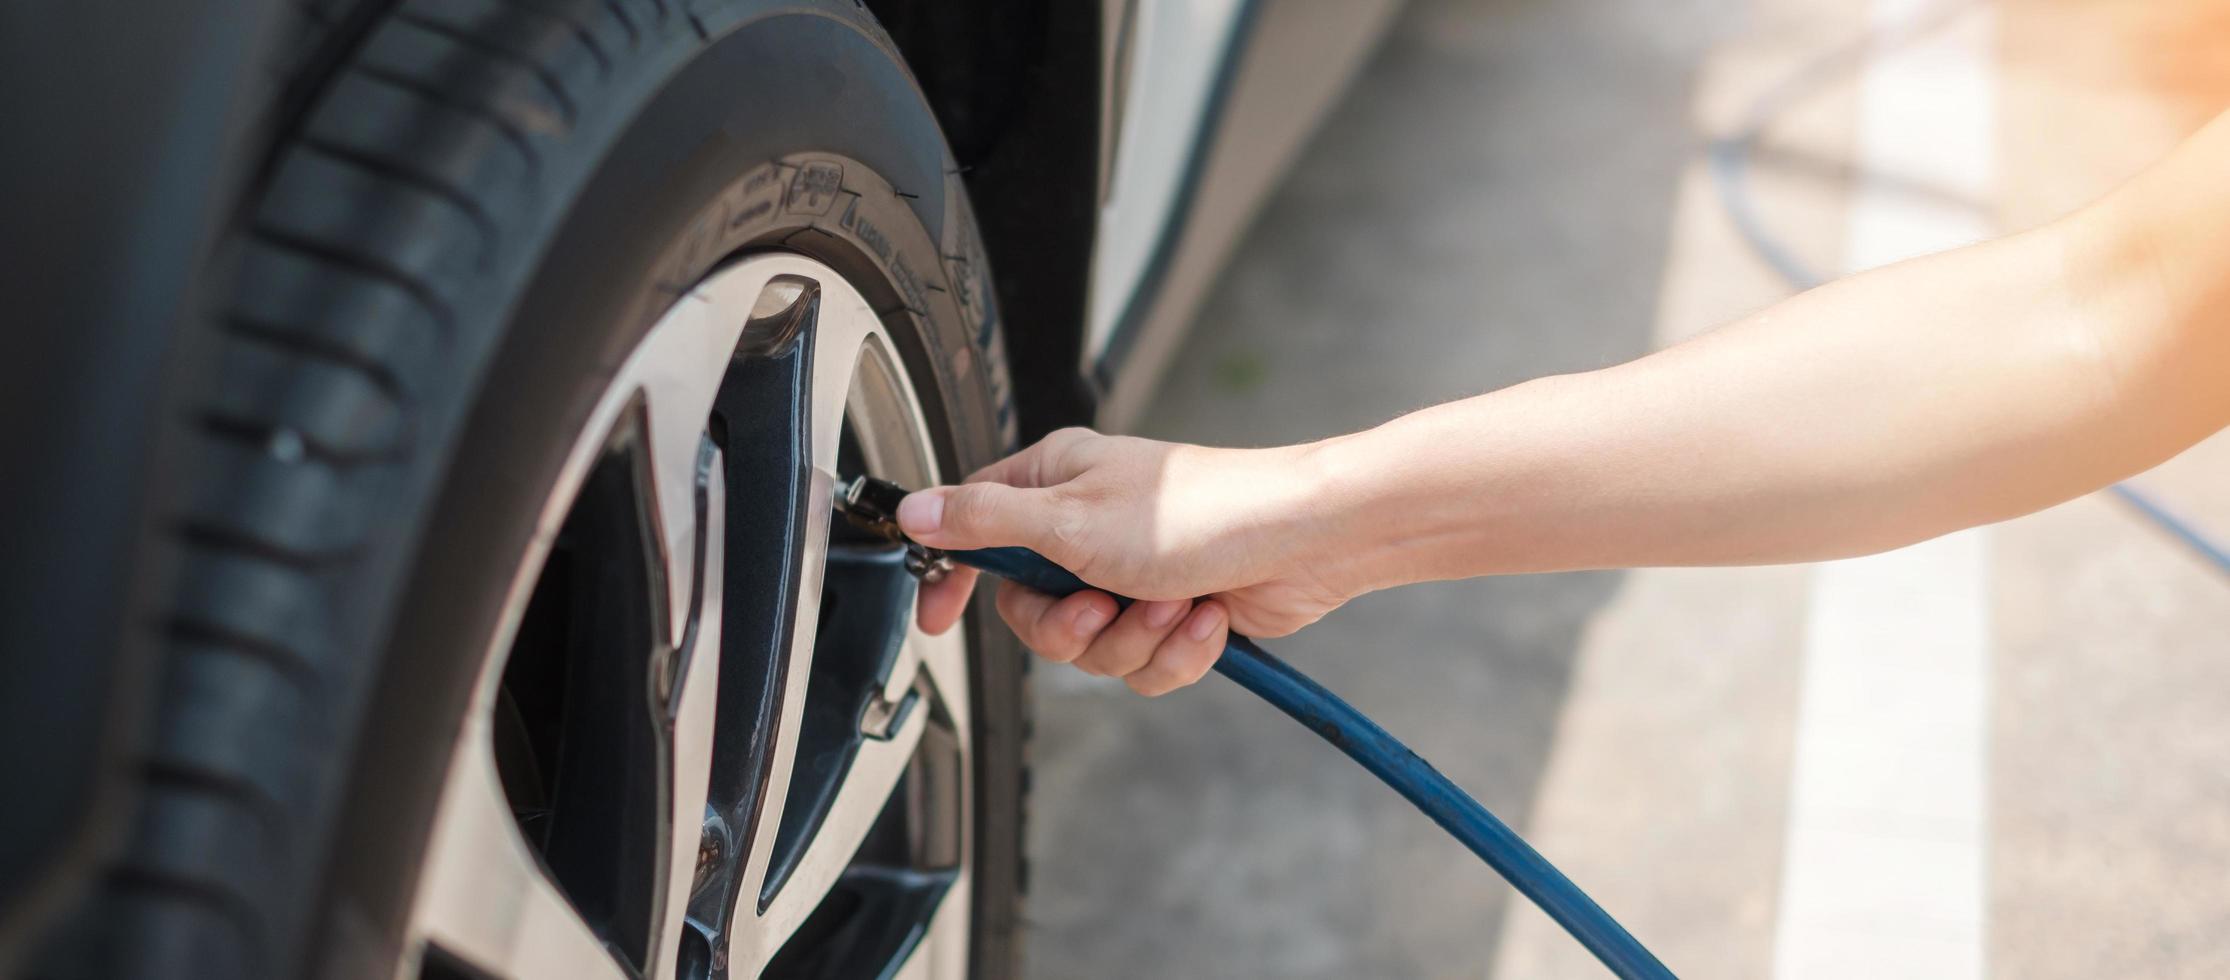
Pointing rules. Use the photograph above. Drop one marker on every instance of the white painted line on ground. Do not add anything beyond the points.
(1883, 870)
(1885, 867)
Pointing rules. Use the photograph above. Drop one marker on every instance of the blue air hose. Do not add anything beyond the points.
(1348, 730)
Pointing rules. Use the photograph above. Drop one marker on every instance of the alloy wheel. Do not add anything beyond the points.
(708, 739)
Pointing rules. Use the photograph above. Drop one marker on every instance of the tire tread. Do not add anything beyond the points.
(344, 309)
(352, 260)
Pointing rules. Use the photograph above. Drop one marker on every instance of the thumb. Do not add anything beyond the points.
(977, 515)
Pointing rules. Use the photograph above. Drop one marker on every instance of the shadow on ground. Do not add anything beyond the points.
(1490, 203)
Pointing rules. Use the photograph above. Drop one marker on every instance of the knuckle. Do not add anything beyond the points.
(1187, 661)
(1018, 615)
(1167, 669)
(1028, 636)
(1193, 672)
(1121, 655)
(1050, 647)
(1056, 453)
(1138, 657)
(1069, 532)
(1043, 643)
(1052, 655)
(967, 505)
(1055, 645)
(1158, 620)
(1069, 434)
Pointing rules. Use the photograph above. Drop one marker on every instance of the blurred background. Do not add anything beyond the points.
(2005, 752)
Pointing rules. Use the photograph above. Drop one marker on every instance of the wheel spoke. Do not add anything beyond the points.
(945, 659)
(670, 373)
(840, 334)
(839, 329)
(691, 713)
(485, 899)
(686, 500)
(788, 716)
(943, 949)
(873, 775)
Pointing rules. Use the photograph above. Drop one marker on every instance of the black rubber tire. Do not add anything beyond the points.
(475, 217)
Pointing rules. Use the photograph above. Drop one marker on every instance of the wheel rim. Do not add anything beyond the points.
(707, 739)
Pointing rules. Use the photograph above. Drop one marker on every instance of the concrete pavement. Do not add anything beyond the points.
(1515, 188)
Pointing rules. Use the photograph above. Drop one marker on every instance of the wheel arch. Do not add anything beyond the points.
(1008, 101)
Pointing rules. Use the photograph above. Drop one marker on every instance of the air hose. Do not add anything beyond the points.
(1352, 732)
(873, 505)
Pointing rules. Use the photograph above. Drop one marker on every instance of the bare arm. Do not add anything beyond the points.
(1890, 407)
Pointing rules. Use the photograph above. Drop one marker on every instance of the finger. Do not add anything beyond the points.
(1129, 642)
(1041, 465)
(1188, 653)
(943, 601)
(980, 515)
(1059, 630)
(1018, 470)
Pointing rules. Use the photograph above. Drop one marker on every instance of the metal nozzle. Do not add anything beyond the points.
(872, 506)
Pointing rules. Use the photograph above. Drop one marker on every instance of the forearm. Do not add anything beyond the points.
(1914, 400)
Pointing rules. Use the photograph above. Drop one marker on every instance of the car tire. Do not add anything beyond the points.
(472, 220)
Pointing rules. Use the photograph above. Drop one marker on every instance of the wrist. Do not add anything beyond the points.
(1342, 524)
(1407, 501)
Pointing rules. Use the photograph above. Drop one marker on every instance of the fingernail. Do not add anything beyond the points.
(1089, 621)
(921, 513)
(1160, 614)
(1204, 622)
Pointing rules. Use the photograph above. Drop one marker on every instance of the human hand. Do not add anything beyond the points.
(1208, 540)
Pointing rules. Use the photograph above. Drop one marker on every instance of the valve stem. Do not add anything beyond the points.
(872, 506)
